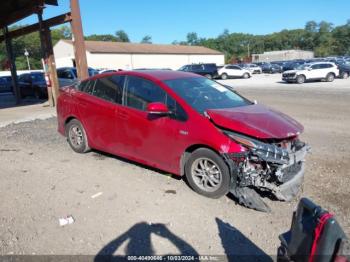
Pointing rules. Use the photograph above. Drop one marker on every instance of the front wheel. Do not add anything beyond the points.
(209, 76)
(301, 79)
(76, 136)
(207, 173)
(245, 75)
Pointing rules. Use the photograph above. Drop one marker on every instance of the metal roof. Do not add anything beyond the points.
(133, 48)
(12, 11)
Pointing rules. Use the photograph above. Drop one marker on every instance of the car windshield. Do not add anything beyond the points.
(203, 94)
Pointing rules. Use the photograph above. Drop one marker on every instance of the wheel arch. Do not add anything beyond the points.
(189, 150)
(70, 118)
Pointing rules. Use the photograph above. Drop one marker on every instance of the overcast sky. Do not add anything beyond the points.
(169, 20)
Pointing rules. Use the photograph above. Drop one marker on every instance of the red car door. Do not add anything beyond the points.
(150, 139)
(98, 105)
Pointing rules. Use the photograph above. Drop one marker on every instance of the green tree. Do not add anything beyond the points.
(146, 39)
(122, 36)
(192, 38)
(105, 38)
(31, 42)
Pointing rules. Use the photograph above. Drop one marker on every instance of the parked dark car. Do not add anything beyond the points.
(5, 84)
(187, 125)
(344, 70)
(292, 65)
(32, 84)
(208, 70)
(271, 68)
(68, 75)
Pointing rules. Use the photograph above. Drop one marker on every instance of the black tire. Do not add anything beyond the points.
(330, 77)
(209, 76)
(301, 79)
(76, 136)
(193, 163)
(224, 76)
(344, 75)
(246, 75)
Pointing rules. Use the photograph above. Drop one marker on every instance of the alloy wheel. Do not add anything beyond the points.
(206, 174)
(76, 136)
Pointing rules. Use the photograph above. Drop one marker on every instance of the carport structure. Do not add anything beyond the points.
(12, 11)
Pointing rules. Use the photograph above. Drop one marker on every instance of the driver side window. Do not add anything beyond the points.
(140, 92)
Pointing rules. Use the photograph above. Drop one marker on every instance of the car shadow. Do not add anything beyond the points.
(138, 242)
(10, 102)
(98, 155)
(237, 246)
(305, 83)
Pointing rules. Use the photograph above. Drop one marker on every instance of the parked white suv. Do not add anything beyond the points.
(314, 71)
(228, 71)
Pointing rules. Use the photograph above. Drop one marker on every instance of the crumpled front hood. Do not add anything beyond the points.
(256, 121)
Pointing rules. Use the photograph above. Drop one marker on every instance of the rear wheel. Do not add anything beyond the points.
(344, 75)
(76, 136)
(245, 75)
(209, 76)
(224, 76)
(330, 77)
(207, 173)
(301, 79)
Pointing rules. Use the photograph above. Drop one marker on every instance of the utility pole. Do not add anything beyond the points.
(248, 49)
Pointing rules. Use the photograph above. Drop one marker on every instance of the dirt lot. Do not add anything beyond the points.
(145, 211)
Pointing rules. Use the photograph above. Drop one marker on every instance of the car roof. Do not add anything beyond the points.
(321, 62)
(160, 75)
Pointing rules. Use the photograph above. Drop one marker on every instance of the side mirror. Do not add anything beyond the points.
(157, 108)
(309, 68)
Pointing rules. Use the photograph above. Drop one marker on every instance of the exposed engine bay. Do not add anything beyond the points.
(273, 167)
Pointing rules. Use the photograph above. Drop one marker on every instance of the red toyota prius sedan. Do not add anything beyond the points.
(189, 126)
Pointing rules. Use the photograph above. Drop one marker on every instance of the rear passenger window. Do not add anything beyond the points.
(197, 67)
(109, 88)
(140, 92)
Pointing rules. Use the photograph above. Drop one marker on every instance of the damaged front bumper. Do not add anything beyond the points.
(291, 175)
(254, 173)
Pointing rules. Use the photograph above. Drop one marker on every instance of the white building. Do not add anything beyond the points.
(282, 55)
(116, 55)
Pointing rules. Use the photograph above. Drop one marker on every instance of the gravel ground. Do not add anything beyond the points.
(142, 210)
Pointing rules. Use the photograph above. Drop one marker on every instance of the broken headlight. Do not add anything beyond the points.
(266, 152)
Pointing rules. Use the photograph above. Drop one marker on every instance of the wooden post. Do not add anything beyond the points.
(78, 42)
(50, 60)
(13, 69)
(45, 55)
